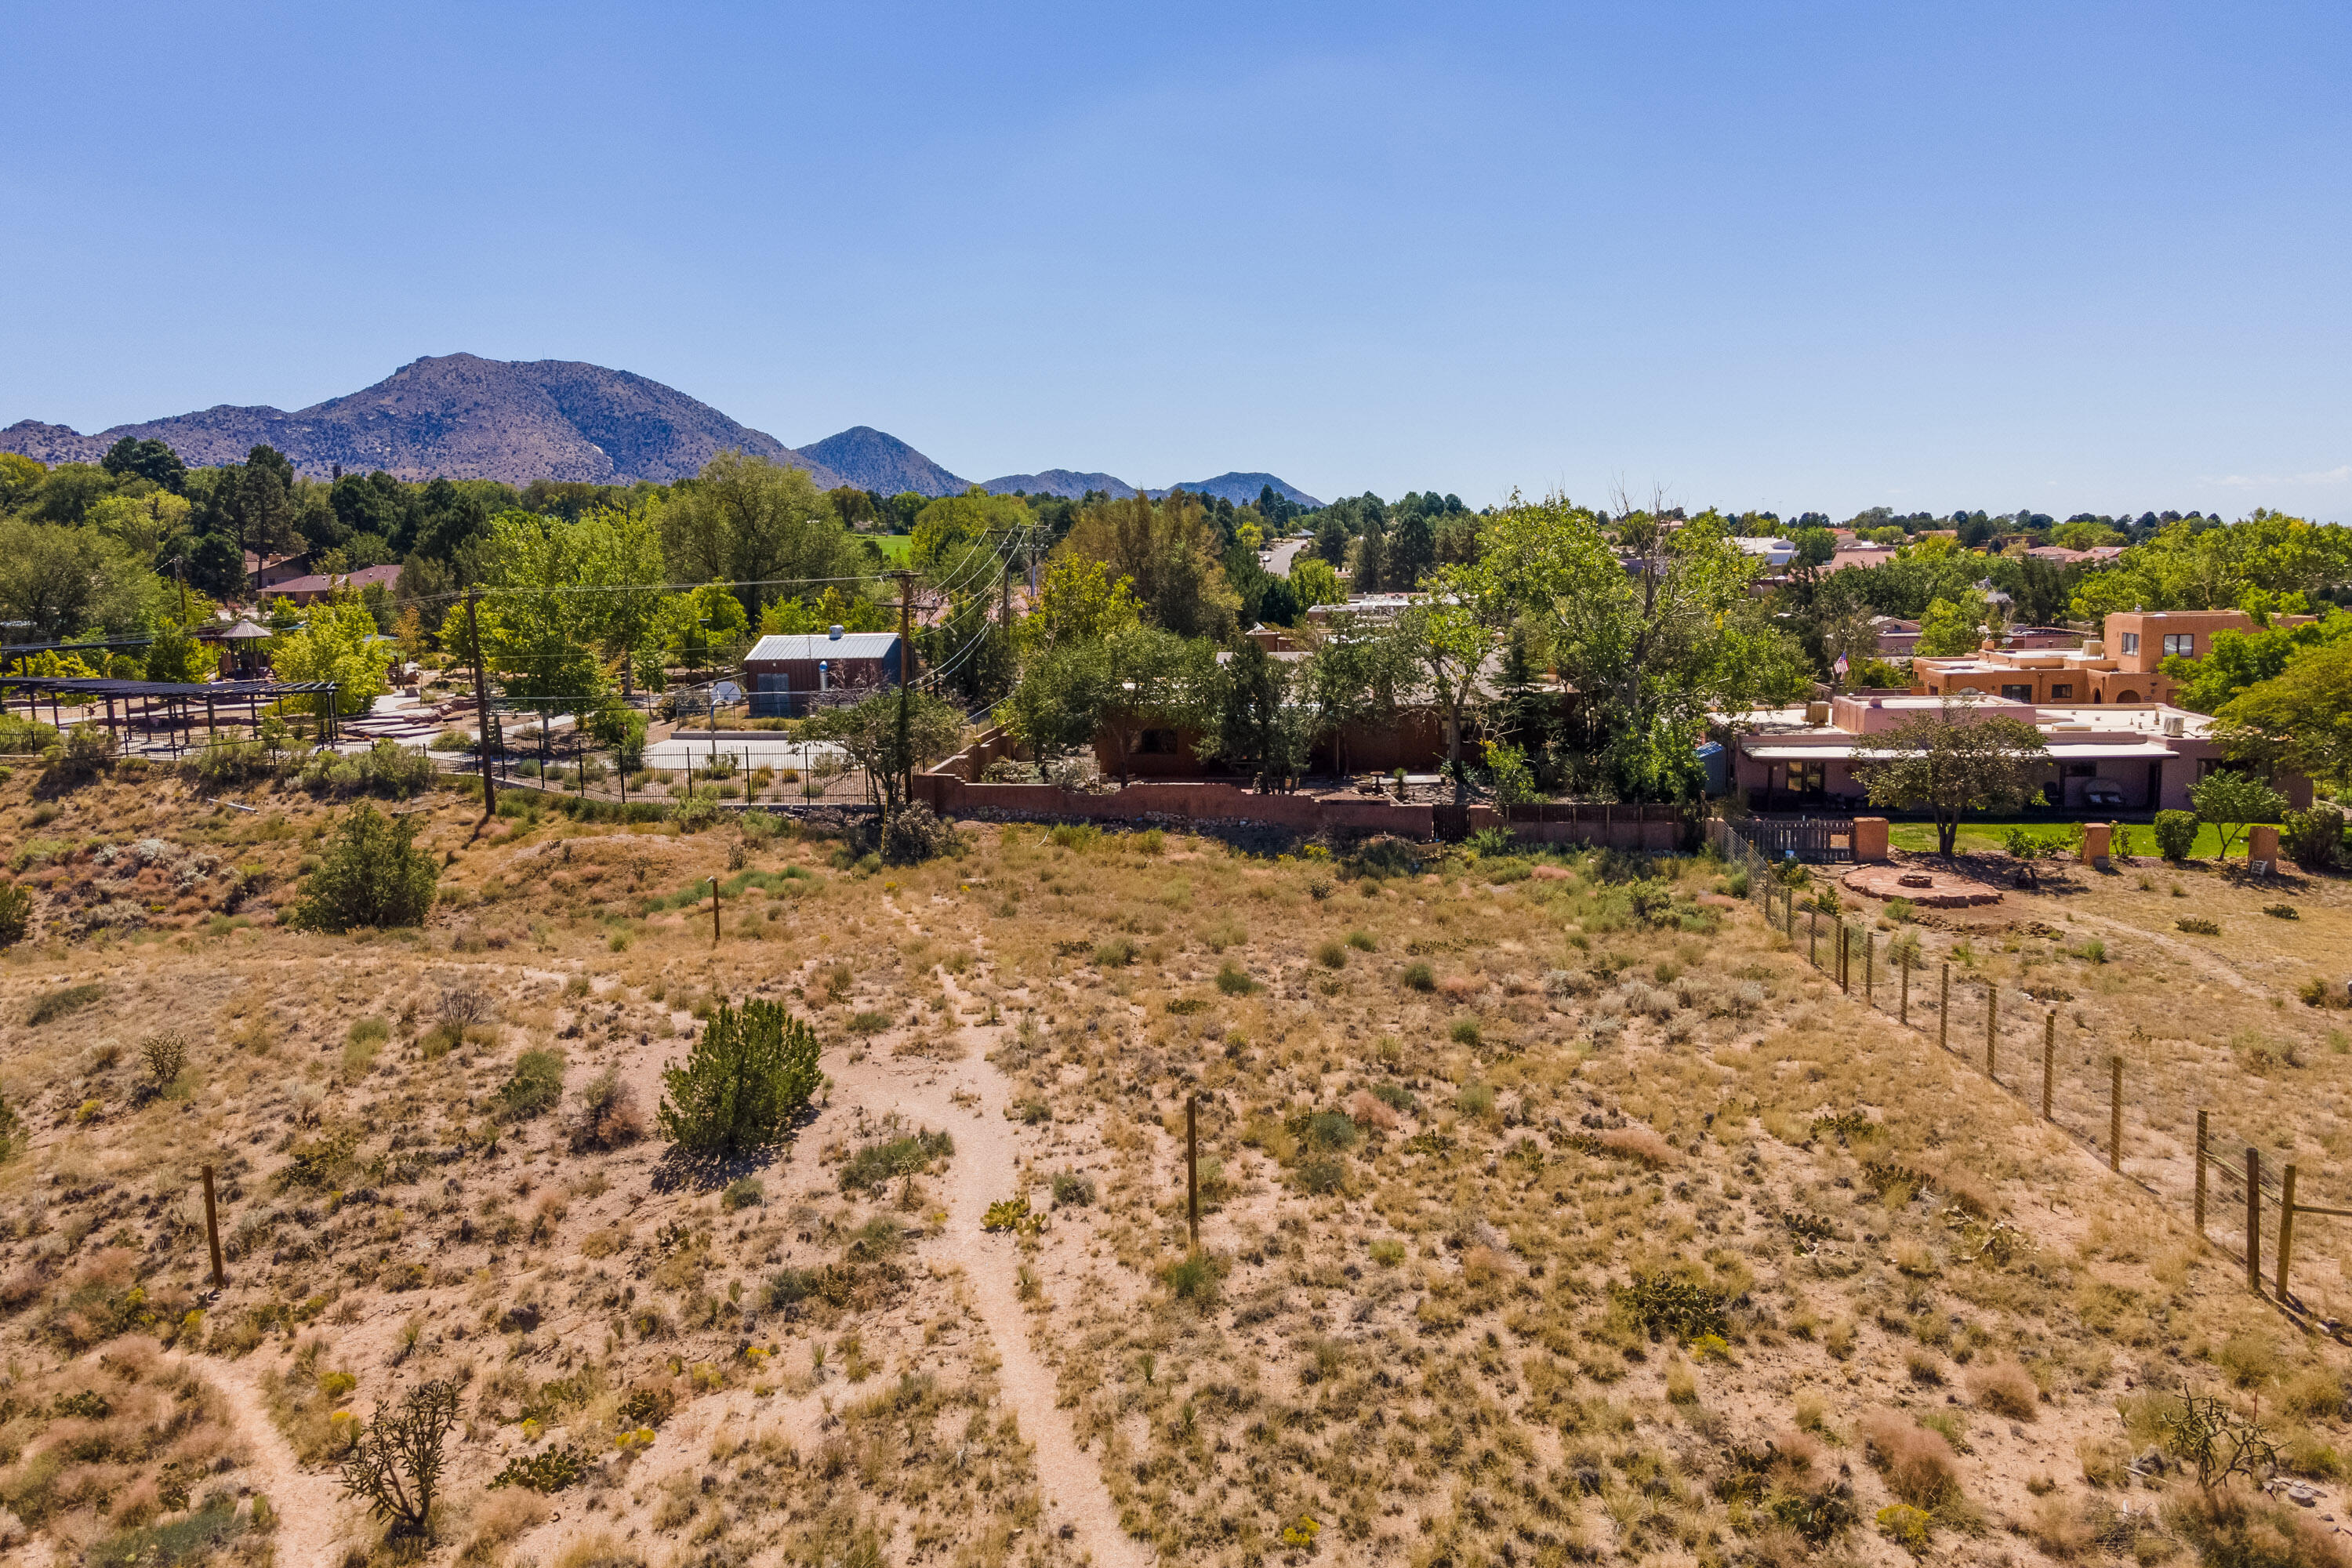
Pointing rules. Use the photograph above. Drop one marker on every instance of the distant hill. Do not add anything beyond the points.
(1060, 482)
(1239, 489)
(874, 461)
(459, 417)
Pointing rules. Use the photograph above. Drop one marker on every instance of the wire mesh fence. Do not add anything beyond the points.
(2134, 1102)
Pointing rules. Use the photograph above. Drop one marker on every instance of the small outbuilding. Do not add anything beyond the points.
(789, 675)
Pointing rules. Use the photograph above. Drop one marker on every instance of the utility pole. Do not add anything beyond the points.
(906, 687)
(482, 709)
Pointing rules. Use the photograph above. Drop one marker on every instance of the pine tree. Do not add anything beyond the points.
(747, 1079)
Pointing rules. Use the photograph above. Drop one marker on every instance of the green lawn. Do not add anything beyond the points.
(896, 547)
(1979, 837)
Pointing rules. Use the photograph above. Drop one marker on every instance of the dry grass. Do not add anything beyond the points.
(1423, 1206)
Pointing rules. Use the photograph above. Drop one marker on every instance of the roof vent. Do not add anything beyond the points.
(2174, 724)
(833, 632)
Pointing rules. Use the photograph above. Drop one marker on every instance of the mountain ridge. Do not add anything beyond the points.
(462, 416)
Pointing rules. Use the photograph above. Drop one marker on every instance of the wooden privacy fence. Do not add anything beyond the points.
(2083, 1089)
(1813, 840)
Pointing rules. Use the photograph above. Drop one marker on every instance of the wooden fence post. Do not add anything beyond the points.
(1193, 1169)
(1813, 937)
(1844, 956)
(2049, 1058)
(2286, 1227)
(2254, 1221)
(1992, 1023)
(212, 1229)
(2116, 1112)
(1904, 1015)
(1943, 1012)
(2200, 1175)
(1869, 970)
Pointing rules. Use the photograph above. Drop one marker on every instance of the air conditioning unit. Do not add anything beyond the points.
(2175, 725)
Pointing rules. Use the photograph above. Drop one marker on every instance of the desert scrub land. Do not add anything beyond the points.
(1553, 1209)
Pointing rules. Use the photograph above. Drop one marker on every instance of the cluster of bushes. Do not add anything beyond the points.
(387, 769)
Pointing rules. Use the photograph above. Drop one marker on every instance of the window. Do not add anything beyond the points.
(2180, 645)
(1805, 778)
(2082, 770)
(2017, 693)
(2059, 691)
(2131, 642)
(1157, 743)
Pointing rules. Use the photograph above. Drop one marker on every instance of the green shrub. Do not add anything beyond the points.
(1419, 976)
(195, 1537)
(877, 1165)
(742, 1192)
(1321, 1174)
(1475, 1099)
(1393, 1095)
(2313, 839)
(372, 874)
(535, 1087)
(1234, 981)
(2197, 925)
(16, 914)
(548, 1471)
(1330, 1130)
(1666, 1304)
(748, 1076)
(1116, 953)
(1194, 1277)
(1331, 955)
(2176, 833)
(1073, 1189)
(1362, 941)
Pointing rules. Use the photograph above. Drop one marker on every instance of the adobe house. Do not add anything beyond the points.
(787, 675)
(2135, 758)
(2125, 666)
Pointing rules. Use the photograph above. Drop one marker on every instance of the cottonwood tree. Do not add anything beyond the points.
(2299, 718)
(748, 1078)
(1952, 760)
(749, 520)
(1451, 640)
(868, 732)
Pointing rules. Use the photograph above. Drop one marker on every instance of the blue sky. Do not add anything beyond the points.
(1820, 256)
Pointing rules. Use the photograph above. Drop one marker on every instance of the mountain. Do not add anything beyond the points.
(1060, 482)
(459, 416)
(1239, 489)
(874, 461)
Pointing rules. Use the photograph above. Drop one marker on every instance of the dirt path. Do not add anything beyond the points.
(2205, 965)
(987, 1167)
(311, 1506)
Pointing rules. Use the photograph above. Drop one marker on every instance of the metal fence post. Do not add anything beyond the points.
(2254, 1221)
(1944, 1011)
(2286, 1227)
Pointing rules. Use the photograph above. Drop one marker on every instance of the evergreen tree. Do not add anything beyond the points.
(374, 876)
(747, 1079)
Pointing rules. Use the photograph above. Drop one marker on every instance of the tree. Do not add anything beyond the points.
(867, 732)
(1647, 614)
(746, 1082)
(760, 524)
(177, 656)
(20, 478)
(1351, 678)
(2232, 801)
(847, 608)
(2239, 660)
(1453, 649)
(1078, 601)
(1152, 678)
(1169, 553)
(335, 641)
(395, 1463)
(150, 528)
(2300, 718)
(1055, 709)
(1313, 583)
(693, 627)
(1259, 728)
(150, 460)
(66, 582)
(1953, 761)
(1950, 629)
(2194, 564)
(372, 874)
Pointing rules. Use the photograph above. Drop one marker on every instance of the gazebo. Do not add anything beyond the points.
(241, 656)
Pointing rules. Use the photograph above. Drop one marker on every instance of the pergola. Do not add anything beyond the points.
(178, 699)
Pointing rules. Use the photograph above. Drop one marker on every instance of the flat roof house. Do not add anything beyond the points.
(2125, 666)
(789, 675)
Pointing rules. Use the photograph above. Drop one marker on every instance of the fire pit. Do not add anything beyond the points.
(1928, 890)
(1914, 879)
